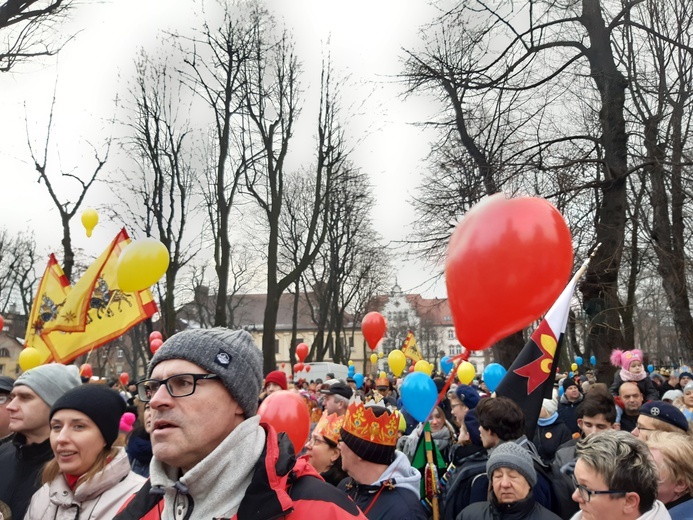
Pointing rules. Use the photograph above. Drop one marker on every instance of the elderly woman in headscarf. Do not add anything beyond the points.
(511, 478)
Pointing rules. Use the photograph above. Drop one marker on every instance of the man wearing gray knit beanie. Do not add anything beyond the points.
(213, 458)
(21, 460)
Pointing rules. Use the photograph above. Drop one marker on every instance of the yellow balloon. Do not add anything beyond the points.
(396, 361)
(466, 372)
(141, 264)
(423, 366)
(573, 367)
(374, 358)
(89, 220)
(382, 374)
(350, 363)
(380, 355)
(29, 358)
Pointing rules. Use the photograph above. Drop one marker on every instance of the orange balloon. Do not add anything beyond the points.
(507, 262)
(373, 327)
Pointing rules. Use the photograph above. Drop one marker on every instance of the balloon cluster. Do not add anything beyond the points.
(301, 354)
(155, 341)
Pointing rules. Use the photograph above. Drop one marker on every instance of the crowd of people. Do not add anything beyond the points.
(186, 442)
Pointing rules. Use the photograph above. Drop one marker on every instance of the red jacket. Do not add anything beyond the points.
(281, 488)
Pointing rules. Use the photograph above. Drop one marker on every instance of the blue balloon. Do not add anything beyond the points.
(419, 395)
(578, 361)
(560, 391)
(351, 370)
(650, 368)
(446, 364)
(358, 378)
(593, 360)
(570, 374)
(493, 374)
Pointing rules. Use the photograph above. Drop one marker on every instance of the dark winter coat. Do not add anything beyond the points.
(20, 472)
(646, 387)
(527, 509)
(549, 438)
(568, 414)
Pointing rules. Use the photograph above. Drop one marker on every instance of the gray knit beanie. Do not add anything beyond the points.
(513, 456)
(230, 354)
(50, 381)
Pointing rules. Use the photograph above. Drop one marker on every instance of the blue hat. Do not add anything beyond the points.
(685, 374)
(666, 412)
(471, 422)
(468, 395)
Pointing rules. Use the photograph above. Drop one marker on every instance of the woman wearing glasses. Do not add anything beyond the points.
(322, 448)
(88, 478)
(512, 476)
(616, 479)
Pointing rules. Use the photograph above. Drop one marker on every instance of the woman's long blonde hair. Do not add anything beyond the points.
(52, 470)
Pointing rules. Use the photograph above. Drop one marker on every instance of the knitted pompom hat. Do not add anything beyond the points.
(623, 358)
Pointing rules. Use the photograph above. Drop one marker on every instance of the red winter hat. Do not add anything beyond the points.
(277, 377)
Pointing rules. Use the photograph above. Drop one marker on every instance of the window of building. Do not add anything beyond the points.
(276, 346)
(451, 333)
(120, 354)
(2, 369)
(4, 352)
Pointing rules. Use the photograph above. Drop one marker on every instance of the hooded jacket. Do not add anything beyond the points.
(99, 497)
(281, 487)
(568, 413)
(21, 465)
(395, 496)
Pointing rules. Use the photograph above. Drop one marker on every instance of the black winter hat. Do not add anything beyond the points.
(101, 404)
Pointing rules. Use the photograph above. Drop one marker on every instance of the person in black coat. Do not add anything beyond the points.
(512, 476)
(551, 431)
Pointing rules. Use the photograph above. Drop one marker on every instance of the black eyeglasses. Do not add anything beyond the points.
(586, 493)
(180, 385)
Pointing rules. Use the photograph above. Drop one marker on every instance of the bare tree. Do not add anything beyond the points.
(163, 187)
(17, 270)
(29, 29)
(67, 210)
(215, 72)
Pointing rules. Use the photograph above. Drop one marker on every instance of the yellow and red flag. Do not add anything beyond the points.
(50, 297)
(531, 376)
(96, 311)
(410, 349)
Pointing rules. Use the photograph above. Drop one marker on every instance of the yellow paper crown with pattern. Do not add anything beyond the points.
(329, 426)
(361, 422)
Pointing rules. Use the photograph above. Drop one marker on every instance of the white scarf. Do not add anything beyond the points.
(218, 482)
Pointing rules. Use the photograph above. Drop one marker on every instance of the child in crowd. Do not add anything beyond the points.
(631, 364)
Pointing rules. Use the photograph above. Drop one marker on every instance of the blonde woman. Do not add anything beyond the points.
(673, 454)
(88, 478)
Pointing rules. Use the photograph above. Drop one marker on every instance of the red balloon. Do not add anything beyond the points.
(125, 378)
(155, 345)
(301, 352)
(287, 412)
(373, 327)
(508, 260)
(283, 365)
(2, 323)
(85, 370)
(307, 368)
(155, 335)
(411, 368)
(298, 367)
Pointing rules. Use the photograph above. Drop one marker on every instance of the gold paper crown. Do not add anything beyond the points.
(361, 422)
(382, 381)
(329, 426)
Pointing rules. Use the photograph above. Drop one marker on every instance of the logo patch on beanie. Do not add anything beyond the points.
(223, 358)
(654, 411)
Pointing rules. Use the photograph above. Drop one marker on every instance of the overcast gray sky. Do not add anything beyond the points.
(365, 42)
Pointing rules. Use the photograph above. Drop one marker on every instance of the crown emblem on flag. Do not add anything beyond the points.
(361, 422)
(329, 426)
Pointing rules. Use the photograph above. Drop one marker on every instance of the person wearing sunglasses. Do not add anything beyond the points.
(616, 479)
(212, 456)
